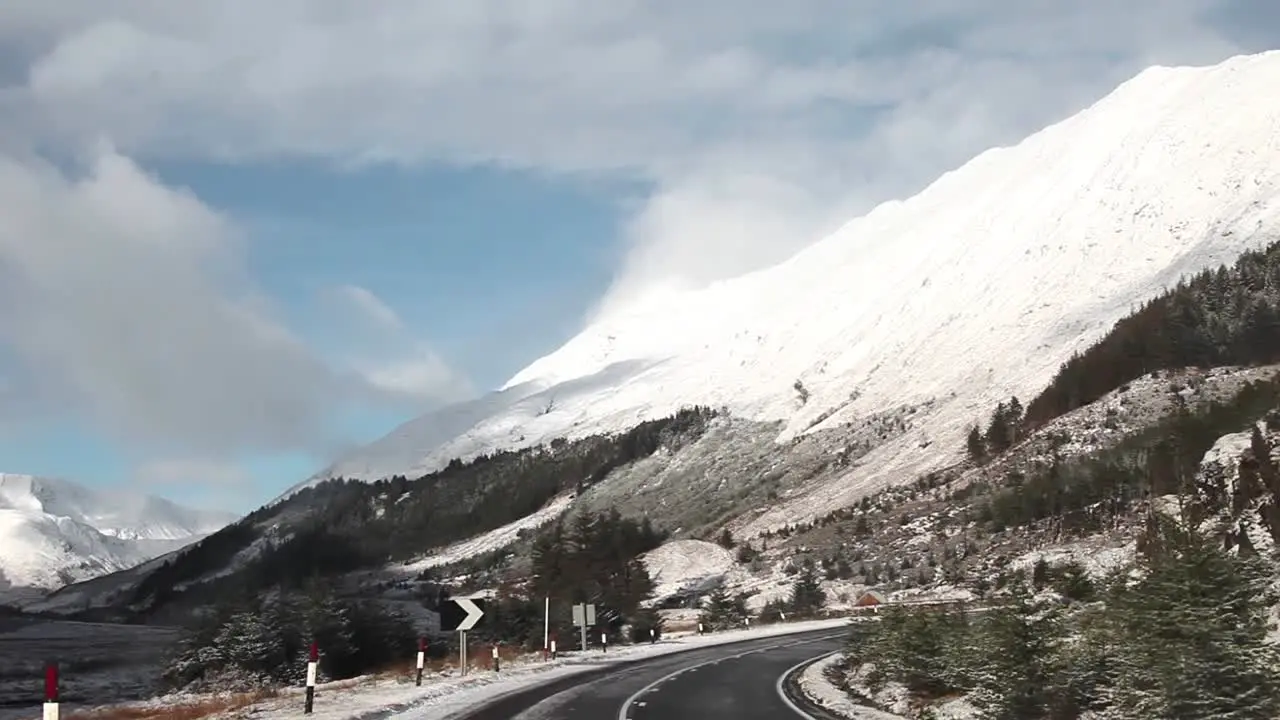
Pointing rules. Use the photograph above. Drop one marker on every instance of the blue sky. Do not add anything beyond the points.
(237, 238)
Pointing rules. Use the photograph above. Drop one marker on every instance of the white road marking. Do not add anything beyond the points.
(625, 711)
(782, 680)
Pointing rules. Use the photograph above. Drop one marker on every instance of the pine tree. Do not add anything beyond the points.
(1194, 632)
(1023, 641)
(722, 611)
(997, 437)
(807, 596)
(976, 446)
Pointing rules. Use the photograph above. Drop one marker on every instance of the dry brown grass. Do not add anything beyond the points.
(479, 658)
(185, 711)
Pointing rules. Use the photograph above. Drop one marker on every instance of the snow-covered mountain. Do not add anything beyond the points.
(975, 289)
(53, 532)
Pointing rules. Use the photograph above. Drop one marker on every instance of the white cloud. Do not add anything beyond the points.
(372, 308)
(126, 305)
(386, 353)
(167, 473)
(755, 126)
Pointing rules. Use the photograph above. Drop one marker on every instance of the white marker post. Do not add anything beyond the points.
(553, 648)
(422, 658)
(700, 628)
(51, 691)
(496, 662)
(313, 663)
(604, 642)
(653, 635)
(546, 627)
(462, 651)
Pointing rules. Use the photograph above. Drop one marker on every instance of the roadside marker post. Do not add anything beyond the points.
(421, 660)
(51, 691)
(553, 647)
(313, 662)
(496, 660)
(653, 635)
(604, 642)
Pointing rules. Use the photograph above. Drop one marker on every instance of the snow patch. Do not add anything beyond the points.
(488, 542)
(692, 566)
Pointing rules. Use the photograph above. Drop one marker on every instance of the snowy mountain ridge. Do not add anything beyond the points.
(975, 289)
(55, 532)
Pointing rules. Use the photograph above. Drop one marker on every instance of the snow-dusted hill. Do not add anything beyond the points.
(976, 289)
(53, 532)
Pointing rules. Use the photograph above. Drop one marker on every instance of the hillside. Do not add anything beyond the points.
(853, 370)
(55, 532)
(932, 308)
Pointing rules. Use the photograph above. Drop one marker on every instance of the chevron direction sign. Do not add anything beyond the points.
(461, 614)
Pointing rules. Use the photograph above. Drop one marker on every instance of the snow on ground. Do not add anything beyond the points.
(444, 694)
(689, 565)
(490, 541)
(814, 684)
(1093, 554)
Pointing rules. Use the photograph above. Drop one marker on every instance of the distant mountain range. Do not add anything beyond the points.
(54, 532)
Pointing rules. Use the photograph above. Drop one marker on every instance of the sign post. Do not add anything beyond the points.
(584, 616)
(461, 614)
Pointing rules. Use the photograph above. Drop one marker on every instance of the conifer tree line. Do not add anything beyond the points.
(264, 640)
(1186, 639)
(1084, 494)
(342, 525)
(1227, 316)
(1003, 432)
(588, 557)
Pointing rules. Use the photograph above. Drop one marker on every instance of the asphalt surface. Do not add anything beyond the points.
(739, 681)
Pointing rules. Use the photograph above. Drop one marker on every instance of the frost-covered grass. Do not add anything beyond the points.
(98, 660)
(817, 686)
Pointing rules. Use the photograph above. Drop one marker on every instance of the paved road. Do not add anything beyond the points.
(736, 681)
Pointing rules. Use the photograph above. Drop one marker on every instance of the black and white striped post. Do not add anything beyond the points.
(51, 691)
(422, 658)
(496, 662)
(604, 642)
(653, 635)
(313, 663)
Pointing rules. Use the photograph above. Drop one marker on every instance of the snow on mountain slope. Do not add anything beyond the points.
(975, 289)
(54, 532)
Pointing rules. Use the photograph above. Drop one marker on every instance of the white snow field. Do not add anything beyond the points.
(975, 289)
(54, 532)
(690, 565)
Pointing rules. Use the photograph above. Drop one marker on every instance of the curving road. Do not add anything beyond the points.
(740, 681)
